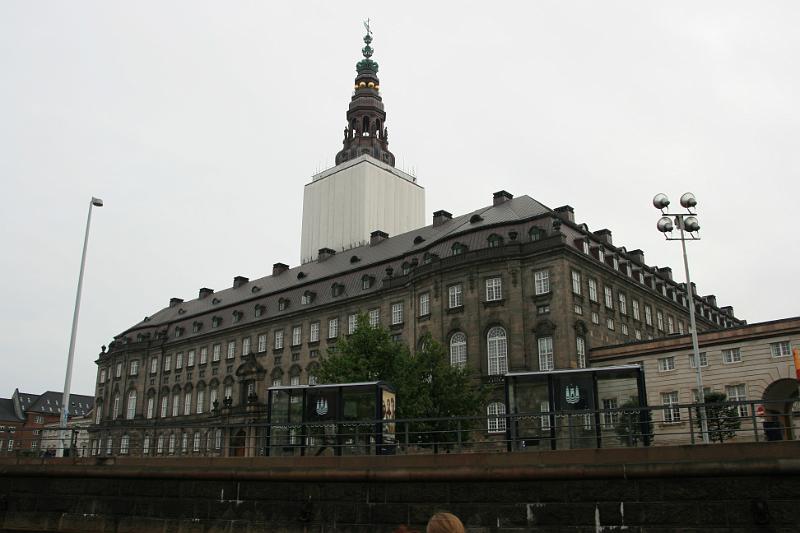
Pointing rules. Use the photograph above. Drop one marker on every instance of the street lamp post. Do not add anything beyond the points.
(95, 202)
(686, 223)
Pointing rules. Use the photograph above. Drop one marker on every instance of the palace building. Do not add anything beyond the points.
(511, 286)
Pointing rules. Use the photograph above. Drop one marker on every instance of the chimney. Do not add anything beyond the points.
(727, 310)
(665, 272)
(238, 281)
(205, 291)
(637, 256)
(501, 197)
(325, 253)
(377, 236)
(565, 212)
(175, 301)
(440, 217)
(712, 299)
(604, 235)
(279, 268)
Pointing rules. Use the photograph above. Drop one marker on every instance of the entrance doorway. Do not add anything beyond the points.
(779, 399)
(238, 443)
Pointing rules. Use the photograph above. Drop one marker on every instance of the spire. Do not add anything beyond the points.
(366, 131)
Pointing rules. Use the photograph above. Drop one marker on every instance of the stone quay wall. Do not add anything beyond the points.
(725, 487)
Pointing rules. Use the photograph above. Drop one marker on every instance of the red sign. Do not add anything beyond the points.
(796, 353)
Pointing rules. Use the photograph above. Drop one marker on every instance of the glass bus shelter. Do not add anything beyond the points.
(582, 408)
(336, 419)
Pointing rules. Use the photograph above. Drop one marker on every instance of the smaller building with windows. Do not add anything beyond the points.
(751, 363)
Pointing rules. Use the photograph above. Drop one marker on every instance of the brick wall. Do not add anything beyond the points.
(730, 487)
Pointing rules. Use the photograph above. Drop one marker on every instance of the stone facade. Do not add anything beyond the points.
(167, 372)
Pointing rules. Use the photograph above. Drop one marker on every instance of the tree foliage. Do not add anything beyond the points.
(425, 383)
(722, 418)
(634, 424)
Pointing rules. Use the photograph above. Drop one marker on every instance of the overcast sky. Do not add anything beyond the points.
(199, 123)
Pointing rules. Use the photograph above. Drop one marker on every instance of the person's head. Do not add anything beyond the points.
(445, 523)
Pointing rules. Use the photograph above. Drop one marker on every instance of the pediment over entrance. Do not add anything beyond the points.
(250, 367)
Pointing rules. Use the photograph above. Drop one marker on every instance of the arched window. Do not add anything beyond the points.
(98, 411)
(458, 350)
(535, 233)
(497, 348)
(458, 248)
(115, 410)
(131, 405)
(495, 417)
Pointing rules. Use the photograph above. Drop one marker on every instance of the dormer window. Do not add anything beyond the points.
(459, 248)
(406, 268)
(139, 337)
(641, 277)
(255, 289)
(215, 301)
(196, 326)
(616, 262)
(337, 289)
(237, 316)
(216, 321)
(535, 234)
(586, 247)
(367, 282)
(495, 241)
(301, 275)
(307, 297)
(475, 218)
(628, 270)
(283, 304)
(178, 332)
(419, 239)
(259, 310)
(601, 255)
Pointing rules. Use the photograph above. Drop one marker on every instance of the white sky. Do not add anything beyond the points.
(199, 123)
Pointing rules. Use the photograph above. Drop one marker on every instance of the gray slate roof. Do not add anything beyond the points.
(514, 210)
(50, 403)
(7, 410)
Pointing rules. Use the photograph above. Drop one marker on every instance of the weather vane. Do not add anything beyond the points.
(366, 27)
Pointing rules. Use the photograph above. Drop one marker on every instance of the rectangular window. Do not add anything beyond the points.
(648, 315)
(190, 358)
(134, 368)
(231, 349)
(216, 351)
(297, 334)
(176, 404)
(595, 317)
(262, 343)
(609, 297)
(592, 290)
(637, 334)
(578, 308)
(178, 360)
(670, 325)
(703, 360)
(545, 353)
(610, 323)
(164, 406)
(167, 363)
(196, 442)
(397, 313)
(543, 309)
(313, 334)
(623, 304)
(738, 393)
(660, 320)
(681, 327)
(672, 413)
(494, 289)
(541, 280)
(780, 349)
(580, 345)
(455, 296)
(118, 370)
(187, 403)
(203, 355)
(246, 346)
(333, 328)
(635, 308)
(733, 355)
(576, 282)
(278, 339)
(201, 396)
(665, 364)
(610, 416)
(424, 304)
(374, 317)
(154, 365)
(352, 322)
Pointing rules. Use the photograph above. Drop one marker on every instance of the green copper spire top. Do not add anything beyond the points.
(367, 64)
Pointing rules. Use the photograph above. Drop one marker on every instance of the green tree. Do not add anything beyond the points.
(722, 418)
(634, 424)
(425, 383)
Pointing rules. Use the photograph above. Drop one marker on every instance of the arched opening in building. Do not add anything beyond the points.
(779, 399)
(238, 444)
